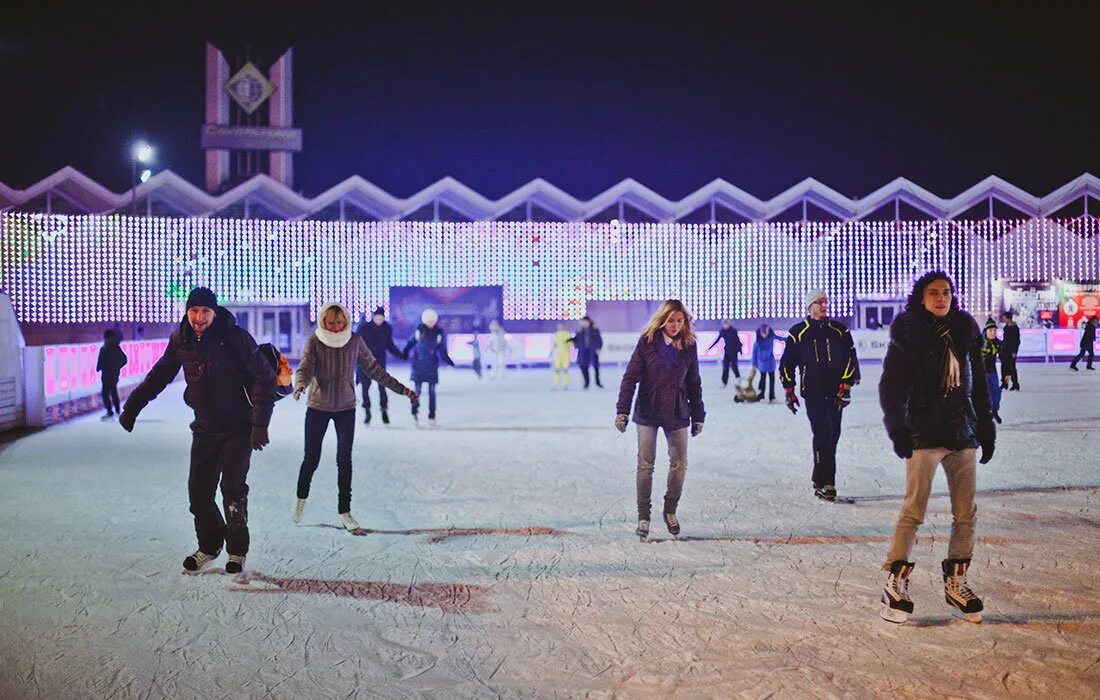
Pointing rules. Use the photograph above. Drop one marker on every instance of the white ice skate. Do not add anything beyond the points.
(297, 510)
(897, 606)
(643, 529)
(966, 603)
(349, 522)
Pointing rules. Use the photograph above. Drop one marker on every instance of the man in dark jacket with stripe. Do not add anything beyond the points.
(825, 353)
(230, 389)
(378, 335)
(936, 409)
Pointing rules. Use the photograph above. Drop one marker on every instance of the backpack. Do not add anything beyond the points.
(283, 385)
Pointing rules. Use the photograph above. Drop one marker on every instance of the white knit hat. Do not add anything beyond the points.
(429, 317)
(813, 295)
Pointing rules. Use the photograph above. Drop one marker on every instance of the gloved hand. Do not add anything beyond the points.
(620, 422)
(987, 438)
(259, 437)
(126, 420)
(298, 392)
(792, 400)
(903, 443)
(843, 395)
(696, 428)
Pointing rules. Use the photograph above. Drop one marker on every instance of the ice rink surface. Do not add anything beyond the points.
(498, 558)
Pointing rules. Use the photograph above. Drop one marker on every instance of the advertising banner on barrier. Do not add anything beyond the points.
(1077, 302)
(460, 309)
(1033, 304)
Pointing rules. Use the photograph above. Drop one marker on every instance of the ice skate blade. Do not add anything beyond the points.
(891, 615)
(974, 618)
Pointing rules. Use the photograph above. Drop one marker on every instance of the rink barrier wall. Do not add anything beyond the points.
(11, 367)
(62, 382)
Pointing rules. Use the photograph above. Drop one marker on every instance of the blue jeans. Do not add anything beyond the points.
(431, 398)
(995, 390)
(677, 467)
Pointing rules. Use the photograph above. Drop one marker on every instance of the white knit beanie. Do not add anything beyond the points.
(813, 295)
(429, 317)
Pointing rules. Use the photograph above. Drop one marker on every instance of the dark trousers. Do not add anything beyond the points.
(769, 376)
(1084, 351)
(730, 362)
(316, 427)
(825, 418)
(110, 394)
(220, 457)
(585, 358)
(431, 398)
(1008, 369)
(383, 399)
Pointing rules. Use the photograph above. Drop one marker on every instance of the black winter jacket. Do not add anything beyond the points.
(379, 339)
(910, 391)
(733, 342)
(588, 340)
(229, 384)
(670, 391)
(111, 360)
(428, 346)
(1011, 343)
(826, 353)
(1088, 339)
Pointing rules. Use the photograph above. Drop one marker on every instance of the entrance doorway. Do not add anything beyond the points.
(284, 326)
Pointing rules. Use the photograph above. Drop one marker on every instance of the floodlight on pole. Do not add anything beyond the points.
(142, 153)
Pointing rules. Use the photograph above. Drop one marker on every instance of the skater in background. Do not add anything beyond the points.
(427, 346)
(475, 349)
(378, 335)
(331, 359)
(499, 350)
(562, 350)
(665, 370)
(763, 359)
(991, 348)
(730, 351)
(1088, 342)
(935, 404)
(588, 342)
(824, 354)
(1010, 346)
(229, 386)
(110, 362)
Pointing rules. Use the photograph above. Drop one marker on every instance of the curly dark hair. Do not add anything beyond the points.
(916, 297)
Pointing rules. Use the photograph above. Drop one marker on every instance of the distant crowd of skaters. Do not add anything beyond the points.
(936, 393)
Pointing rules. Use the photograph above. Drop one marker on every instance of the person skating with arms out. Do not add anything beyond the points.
(935, 405)
(378, 335)
(823, 352)
(427, 346)
(331, 359)
(664, 369)
(229, 387)
(730, 351)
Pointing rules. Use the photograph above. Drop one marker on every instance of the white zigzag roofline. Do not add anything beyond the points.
(186, 199)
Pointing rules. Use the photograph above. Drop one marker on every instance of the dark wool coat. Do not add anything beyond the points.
(670, 391)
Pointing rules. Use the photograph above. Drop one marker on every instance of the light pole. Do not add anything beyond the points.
(142, 153)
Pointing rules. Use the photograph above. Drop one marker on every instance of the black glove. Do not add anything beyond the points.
(792, 400)
(126, 420)
(903, 443)
(696, 428)
(987, 438)
(843, 395)
(259, 437)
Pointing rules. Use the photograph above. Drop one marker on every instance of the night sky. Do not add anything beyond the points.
(673, 94)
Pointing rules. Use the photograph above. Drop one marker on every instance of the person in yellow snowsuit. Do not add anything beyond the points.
(562, 341)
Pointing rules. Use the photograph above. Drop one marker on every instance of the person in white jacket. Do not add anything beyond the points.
(499, 350)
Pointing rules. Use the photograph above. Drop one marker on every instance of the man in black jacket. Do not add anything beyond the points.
(1088, 341)
(936, 409)
(1010, 347)
(230, 389)
(588, 341)
(730, 351)
(378, 335)
(825, 353)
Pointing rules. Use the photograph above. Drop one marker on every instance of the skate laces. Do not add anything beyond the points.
(899, 586)
(958, 588)
(670, 519)
(236, 558)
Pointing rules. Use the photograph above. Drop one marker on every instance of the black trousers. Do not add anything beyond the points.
(730, 362)
(586, 358)
(767, 376)
(110, 394)
(1084, 351)
(1008, 369)
(825, 417)
(383, 398)
(316, 427)
(223, 457)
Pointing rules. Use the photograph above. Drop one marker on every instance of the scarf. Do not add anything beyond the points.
(949, 368)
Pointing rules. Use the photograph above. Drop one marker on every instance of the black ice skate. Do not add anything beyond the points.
(200, 559)
(897, 606)
(826, 493)
(366, 419)
(959, 596)
(235, 565)
(643, 528)
(385, 417)
(997, 416)
(672, 524)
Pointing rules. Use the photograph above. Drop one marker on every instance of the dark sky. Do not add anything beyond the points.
(672, 94)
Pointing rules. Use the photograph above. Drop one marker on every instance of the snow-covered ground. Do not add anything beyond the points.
(500, 561)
